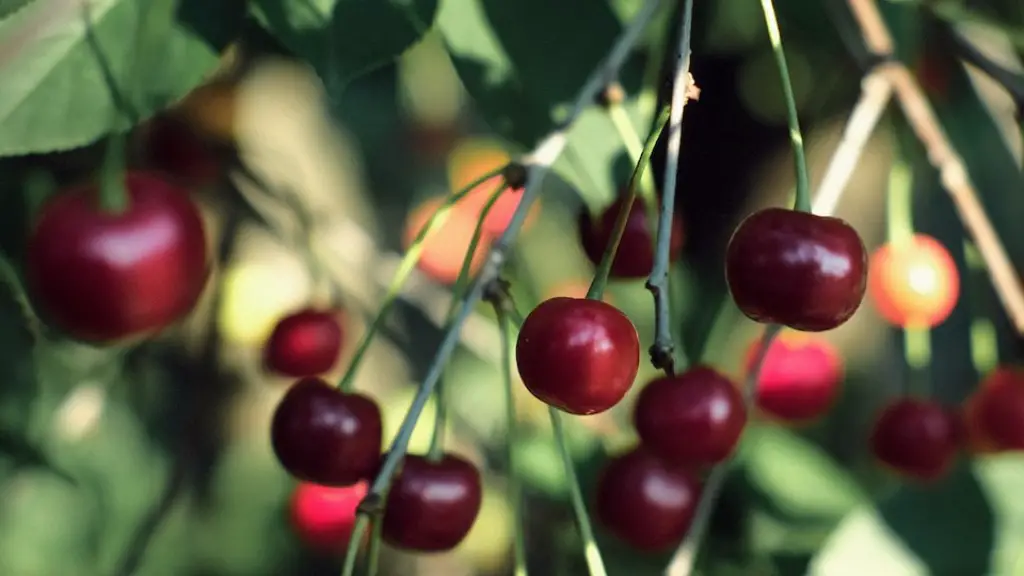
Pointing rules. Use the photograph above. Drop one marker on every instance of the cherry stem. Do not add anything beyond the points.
(436, 451)
(539, 163)
(113, 190)
(405, 269)
(662, 349)
(634, 146)
(515, 493)
(604, 269)
(803, 185)
(373, 554)
(683, 559)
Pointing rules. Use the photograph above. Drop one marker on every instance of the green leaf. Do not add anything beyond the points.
(17, 363)
(55, 96)
(970, 523)
(798, 478)
(8, 7)
(522, 62)
(344, 39)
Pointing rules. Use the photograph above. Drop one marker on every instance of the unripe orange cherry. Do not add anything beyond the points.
(914, 285)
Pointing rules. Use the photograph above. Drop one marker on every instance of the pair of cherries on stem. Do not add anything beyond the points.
(331, 438)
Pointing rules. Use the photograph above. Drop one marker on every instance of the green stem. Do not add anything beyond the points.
(635, 147)
(436, 451)
(592, 554)
(597, 286)
(373, 553)
(352, 553)
(803, 185)
(113, 189)
(405, 268)
(515, 493)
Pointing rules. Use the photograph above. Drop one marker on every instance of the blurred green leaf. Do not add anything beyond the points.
(17, 363)
(523, 65)
(946, 529)
(344, 39)
(55, 96)
(798, 479)
(8, 7)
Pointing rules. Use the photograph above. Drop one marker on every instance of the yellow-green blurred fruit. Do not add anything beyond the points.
(487, 545)
(394, 408)
(254, 298)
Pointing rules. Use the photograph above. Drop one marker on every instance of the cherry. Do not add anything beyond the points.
(324, 516)
(446, 247)
(431, 506)
(695, 418)
(635, 256)
(644, 502)
(471, 159)
(800, 377)
(914, 285)
(917, 438)
(103, 276)
(797, 269)
(323, 435)
(580, 356)
(172, 146)
(996, 409)
(304, 343)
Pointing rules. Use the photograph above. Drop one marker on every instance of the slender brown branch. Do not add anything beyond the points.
(952, 171)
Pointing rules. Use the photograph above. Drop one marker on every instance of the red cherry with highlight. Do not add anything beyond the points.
(323, 435)
(304, 343)
(644, 502)
(580, 356)
(324, 516)
(998, 409)
(102, 276)
(431, 506)
(915, 284)
(635, 255)
(693, 419)
(797, 269)
(800, 378)
(917, 438)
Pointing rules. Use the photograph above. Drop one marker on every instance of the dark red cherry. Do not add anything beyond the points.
(635, 256)
(304, 343)
(916, 437)
(580, 356)
(793, 268)
(693, 419)
(997, 409)
(170, 145)
(323, 435)
(324, 516)
(431, 506)
(101, 276)
(644, 502)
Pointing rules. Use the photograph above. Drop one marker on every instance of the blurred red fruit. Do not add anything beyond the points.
(915, 285)
(800, 377)
(324, 516)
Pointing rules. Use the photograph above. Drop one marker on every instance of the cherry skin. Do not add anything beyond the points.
(800, 377)
(635, 255)
(104, 277)
(644, 502)
(304, 343)
(580, 356)
(693, 419)
(916, 438)
(997, 409)
(796, 269)
(915, 285)
(431, 506)
(323, 435)
(324, 516)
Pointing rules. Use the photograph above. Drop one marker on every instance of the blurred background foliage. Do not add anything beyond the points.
(157, 455)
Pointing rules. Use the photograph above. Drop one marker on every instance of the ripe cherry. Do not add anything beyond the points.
(470, 160)
(323, 435)
(580, 356)
(694, 419)
(103, 276)
(797, 269)
(915, 284)
(800, 377)
(644, 502)
(324, 516)
(304, 343)
(635, 256)
(917, 438)
(446, 247)
(431, 506)
(170, 145)
(996, 409)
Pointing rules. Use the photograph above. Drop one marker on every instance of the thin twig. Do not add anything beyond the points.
(657, 283)
(952, 172)
(538, 164)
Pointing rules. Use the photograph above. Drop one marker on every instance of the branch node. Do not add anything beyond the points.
(613, 95)
(371, 505)
(515, 174)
